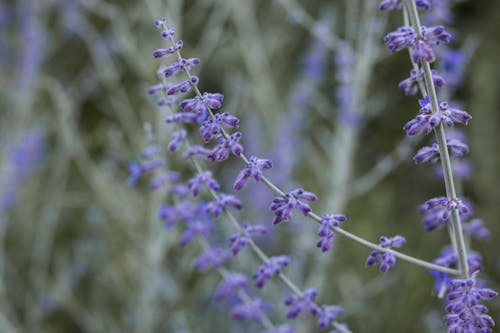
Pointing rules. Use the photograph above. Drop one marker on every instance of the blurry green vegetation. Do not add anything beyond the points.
(84, 252)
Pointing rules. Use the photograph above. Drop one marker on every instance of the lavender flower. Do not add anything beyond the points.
(200, 226)
(183, 210)
(297, 304)
(231, 283)
(405, 37)
(199, 105)
(253, 169)
(160, 53)
(163, 178)
(386, 260)
(466, 313)
(183, 87)
(438, 211)
(230, 145)
(139, 170)
(270, 268)
(212, 126)
(397, 4)
(281, 329)
(477, 229)
(282, 207)
(197, 181)
(177, 139)
(181, 65)
(328, 314)
(239, 240)
(325, 231)
(448, 258)
(410, 84)
(254, 310)
(221, 201)
(212, 257)
(431, 153)
(151, 151)
(426, 120)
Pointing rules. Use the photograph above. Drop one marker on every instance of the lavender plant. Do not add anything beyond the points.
(467, 315)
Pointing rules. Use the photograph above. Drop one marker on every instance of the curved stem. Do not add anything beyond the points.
(315, 217)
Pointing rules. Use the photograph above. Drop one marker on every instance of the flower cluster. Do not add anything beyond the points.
(386, 260)
(325, 232)
(466, 313)
(438, 211)
(282, 206)
(407, 37)
(427, 119)
(199, 110)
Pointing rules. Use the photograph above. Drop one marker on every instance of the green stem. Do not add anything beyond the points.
(443, 150)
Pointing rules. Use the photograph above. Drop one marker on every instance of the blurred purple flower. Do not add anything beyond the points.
(270, 268)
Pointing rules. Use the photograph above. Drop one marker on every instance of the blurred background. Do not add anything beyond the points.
(316, 92)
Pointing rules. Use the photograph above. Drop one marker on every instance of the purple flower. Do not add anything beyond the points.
(239, 240)
(181, 65)
(150, 151)
(177, 139)
(221, 201)
(255, 310)
(425, 121)
(183, 210)
(164, 177)
(410, 84)
(297, 303)
(328, 314)
(281, 329)
(466, 313)
(212, 257)
(253, 169)
(477, 229)
(199, 105)
(402, 38)
(181, 118)
(451, 115)
(231, 283)
(156, 88)
(325, 232)
(212, 126)
(405, 37)
(452, 66)
(199, 226)
(430, 36)
(168, 101)
(197, 181)
(448, 258)
(270, 268)
(232, 144)
(160, 53)
(184, 86)
(431, 153)
(397, 4)
(282, 206)
(197, 150)
(138, 170)
(386, 260)
(438, 211)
